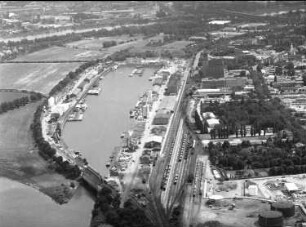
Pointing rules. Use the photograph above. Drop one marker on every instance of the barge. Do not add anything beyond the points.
(94, 91)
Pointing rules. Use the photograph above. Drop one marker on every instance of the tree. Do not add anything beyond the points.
(259, 67)
(161, 13)
(304, 80)
(190, 178)
(290, 68)
(278, 71)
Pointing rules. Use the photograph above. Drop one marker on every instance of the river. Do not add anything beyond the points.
(95, 137)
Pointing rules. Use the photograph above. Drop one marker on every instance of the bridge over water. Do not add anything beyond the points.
(92, 178)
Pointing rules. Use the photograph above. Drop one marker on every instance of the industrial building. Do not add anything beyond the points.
(173, 85)
(162, 117)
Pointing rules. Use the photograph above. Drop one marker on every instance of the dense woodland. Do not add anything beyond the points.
(279, 154)
(108, 204)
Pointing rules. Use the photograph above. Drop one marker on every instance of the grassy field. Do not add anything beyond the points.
(43, 77)
(7, 96)
(19, 159)
(36, 77)
(95, 44)
(60, 53)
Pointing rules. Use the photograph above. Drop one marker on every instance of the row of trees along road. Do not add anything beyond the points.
(48, 152)
(71, 76)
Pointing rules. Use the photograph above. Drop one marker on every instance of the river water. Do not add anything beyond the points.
(95, 137)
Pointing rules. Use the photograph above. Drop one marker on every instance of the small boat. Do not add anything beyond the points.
(132, 114)
(107, 164)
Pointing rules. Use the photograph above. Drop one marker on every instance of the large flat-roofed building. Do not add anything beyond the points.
(162, 117)
(173, 85)
(211, 92)
(228, 82)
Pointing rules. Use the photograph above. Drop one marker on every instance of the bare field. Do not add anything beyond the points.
(19, 159)
(8, 96)
(35, 77)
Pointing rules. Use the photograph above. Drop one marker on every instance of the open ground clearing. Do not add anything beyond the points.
(244, 214)
(19, 159)
(8, 96)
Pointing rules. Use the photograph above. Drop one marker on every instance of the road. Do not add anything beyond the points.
(130, 174)
(196, 60)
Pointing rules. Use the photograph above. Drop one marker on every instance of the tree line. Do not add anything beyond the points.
(107, 44)
(49, 153)
(16, 103)
(71, 76)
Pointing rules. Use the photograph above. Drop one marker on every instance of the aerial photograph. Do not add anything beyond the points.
(152, 113)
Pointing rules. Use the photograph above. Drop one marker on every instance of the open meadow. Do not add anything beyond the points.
(19, 159)
(60, 53)
(8, 96)
(40, 77)
(96, 44)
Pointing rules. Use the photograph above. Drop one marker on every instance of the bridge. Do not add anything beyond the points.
(92, 178)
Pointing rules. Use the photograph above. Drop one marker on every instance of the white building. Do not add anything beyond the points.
(253, 190)
(291, 187)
